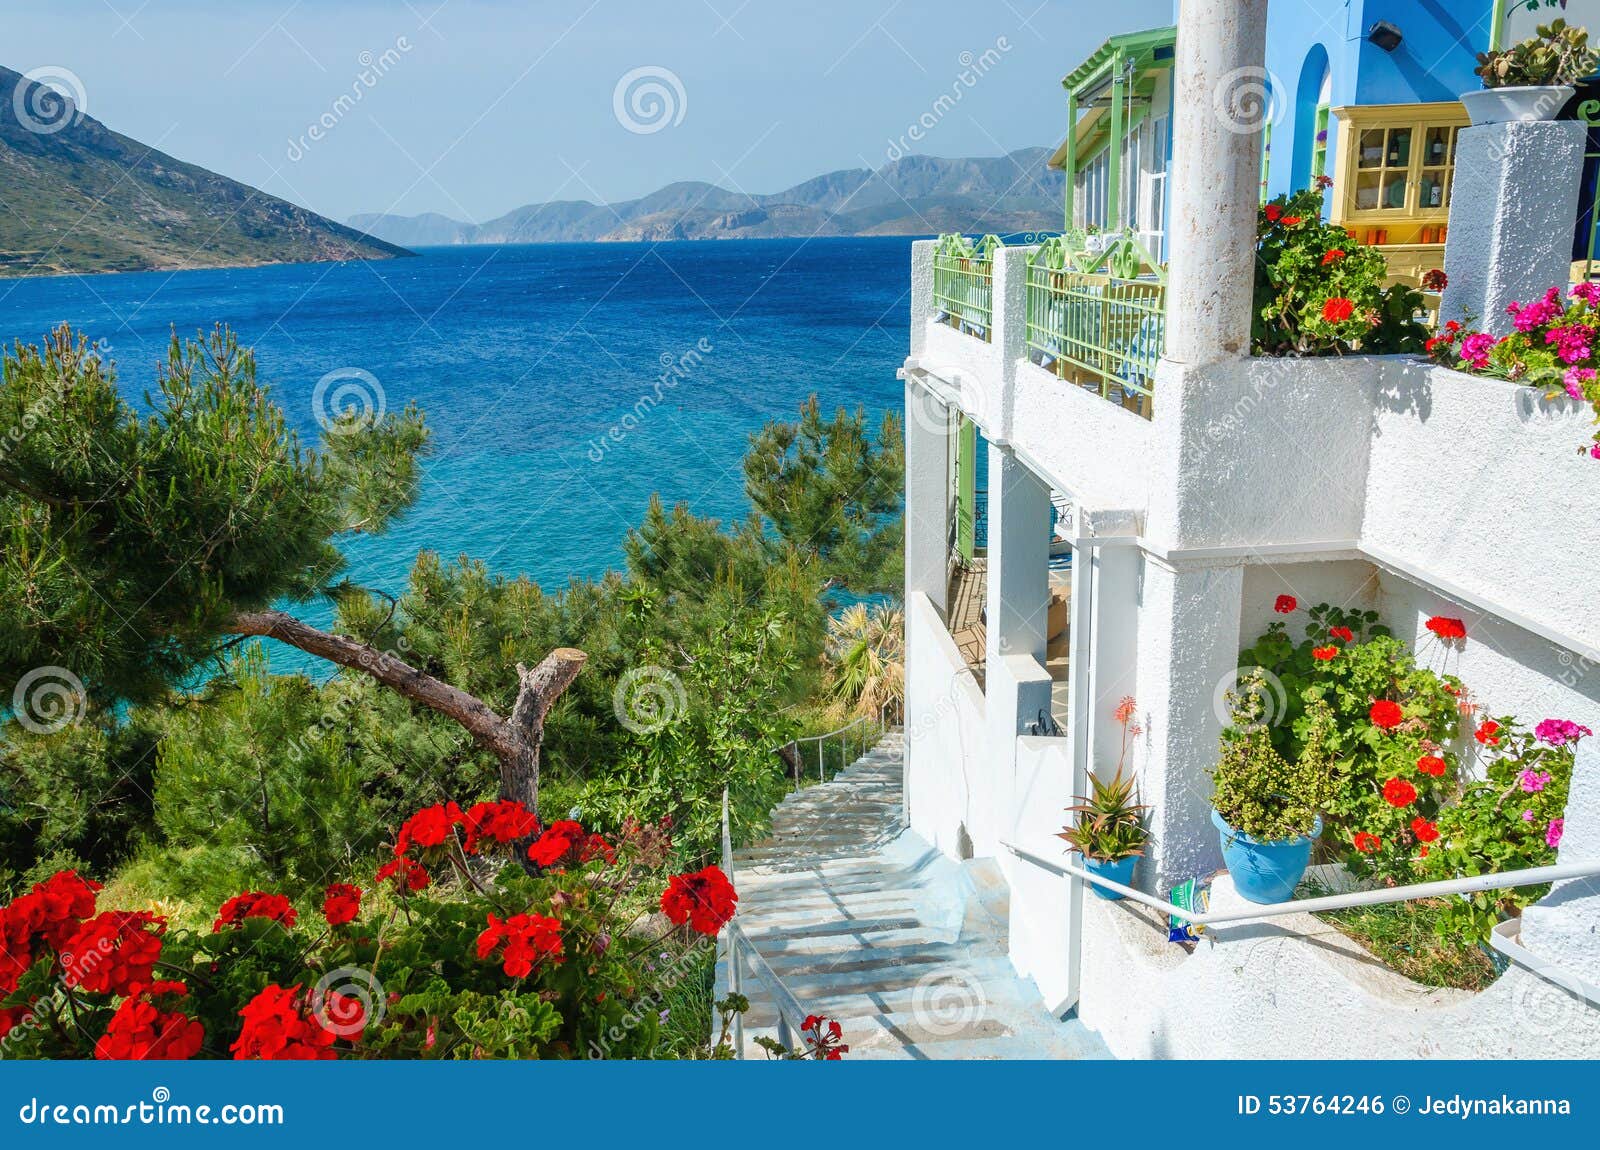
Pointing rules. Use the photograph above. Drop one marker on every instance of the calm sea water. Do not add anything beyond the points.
(530, 362)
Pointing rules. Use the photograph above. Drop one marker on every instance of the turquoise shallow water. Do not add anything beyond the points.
(526, 360)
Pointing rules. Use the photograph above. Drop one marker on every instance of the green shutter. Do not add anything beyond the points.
(966, 487)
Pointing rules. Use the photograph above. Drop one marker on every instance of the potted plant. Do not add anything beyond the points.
(1108, 830)
(1268, 809)
(1531, 80)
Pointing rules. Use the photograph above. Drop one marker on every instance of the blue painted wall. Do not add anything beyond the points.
(1434, 62)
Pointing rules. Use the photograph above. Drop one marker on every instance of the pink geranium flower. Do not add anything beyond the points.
(1560, 732)
(1475, 349)
(1588, 292)
(1526, 317)
(1552, 835)
(1575, 378)
(1572, 342)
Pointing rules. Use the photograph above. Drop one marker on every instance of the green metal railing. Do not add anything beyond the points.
(1102, 331)
(963, 284)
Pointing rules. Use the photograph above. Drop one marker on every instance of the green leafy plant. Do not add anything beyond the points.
(1108, 823)
(1320, 292)
(1510, 820)
(1557, 53)
(1258, 790)
(1392, 721)
(866, 660)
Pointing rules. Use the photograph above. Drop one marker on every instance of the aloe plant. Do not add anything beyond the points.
(1557, 54)
(1108, 822)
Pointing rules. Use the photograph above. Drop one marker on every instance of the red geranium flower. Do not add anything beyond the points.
(277, 1028)
(1324, 653)
(1386, 714)
(1488, 733)
(1399, 793)
(1332, 255)
(1342, 633)
(1432, 765)
(412, 876)
(114, 952)
(1290, 221)
(560, 839)
(1285, 604)
(1338, 309)
(704, 899)
(428, 827)
(1367, 843)
(62, 901)
(526, 939)
(1274, 213)
(1447, 628)
(341, 903)
(1425, 831)
(255, 904)
(504, 821)
(1434, 279)
(822, 1036)
(140, 1032)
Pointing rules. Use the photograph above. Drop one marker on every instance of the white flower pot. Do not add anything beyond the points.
(1516, 105)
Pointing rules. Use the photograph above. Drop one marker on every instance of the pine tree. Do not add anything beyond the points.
(138, 547)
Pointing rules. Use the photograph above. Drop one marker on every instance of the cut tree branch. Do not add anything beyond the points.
(514, 742)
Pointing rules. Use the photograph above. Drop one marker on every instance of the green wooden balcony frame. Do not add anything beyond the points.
(1101, 330)
(963, 284)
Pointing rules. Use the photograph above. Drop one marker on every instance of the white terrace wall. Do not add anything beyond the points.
(949, 794)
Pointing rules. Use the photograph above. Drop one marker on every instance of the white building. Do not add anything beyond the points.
(1381, 482)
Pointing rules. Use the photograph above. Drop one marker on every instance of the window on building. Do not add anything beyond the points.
(1319, 126)
(1093, 187)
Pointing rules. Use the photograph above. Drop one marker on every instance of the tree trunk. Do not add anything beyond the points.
(514, 741)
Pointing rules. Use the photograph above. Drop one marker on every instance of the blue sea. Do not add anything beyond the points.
(530, 363)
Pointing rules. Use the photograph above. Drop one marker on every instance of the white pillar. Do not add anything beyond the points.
(1016, 684)
(1512, 206)
(927, 494)
(1188, 648)
(1222, 98)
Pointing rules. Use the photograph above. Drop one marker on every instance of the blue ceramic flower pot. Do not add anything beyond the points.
(1265, 871)
(1119, 871)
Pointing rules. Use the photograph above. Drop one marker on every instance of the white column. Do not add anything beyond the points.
(1188, 648)
(1223, 98)
(1016, 684)
(927, 494)
(1512, 206)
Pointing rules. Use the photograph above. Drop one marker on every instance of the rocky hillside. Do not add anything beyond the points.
(78, 197)
(917, 195)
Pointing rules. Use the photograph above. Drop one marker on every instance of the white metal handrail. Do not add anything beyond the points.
(1502, 880)
(875, 728)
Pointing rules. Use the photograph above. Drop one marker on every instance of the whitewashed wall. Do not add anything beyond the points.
(946, 788)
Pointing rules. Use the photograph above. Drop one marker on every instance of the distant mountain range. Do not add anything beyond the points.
(916, 195)
(78, 197)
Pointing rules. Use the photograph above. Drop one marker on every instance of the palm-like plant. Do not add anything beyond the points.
(866, 662)
(1109, 821)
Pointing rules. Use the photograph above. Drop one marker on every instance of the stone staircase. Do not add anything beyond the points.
(867, 924)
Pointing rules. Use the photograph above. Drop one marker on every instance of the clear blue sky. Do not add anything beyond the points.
(497, 104)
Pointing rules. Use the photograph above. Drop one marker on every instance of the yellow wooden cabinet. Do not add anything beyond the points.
(1392, 179)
